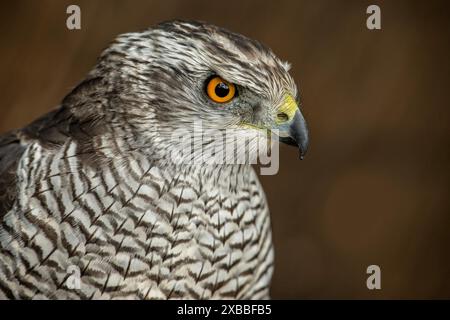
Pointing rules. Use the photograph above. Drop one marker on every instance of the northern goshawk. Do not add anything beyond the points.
(99, 190)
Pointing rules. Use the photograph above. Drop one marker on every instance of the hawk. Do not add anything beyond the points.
(93, 204)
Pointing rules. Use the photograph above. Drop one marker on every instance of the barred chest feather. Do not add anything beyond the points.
(130, 230)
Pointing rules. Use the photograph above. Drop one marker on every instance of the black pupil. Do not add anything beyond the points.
(222, 90)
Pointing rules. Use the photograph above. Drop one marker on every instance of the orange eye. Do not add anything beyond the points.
(219, 90)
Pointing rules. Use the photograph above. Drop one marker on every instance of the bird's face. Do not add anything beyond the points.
(196, 72)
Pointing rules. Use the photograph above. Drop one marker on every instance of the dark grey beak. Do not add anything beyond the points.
(295, 133)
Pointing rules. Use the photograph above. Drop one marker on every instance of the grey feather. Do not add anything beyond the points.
(91, 187)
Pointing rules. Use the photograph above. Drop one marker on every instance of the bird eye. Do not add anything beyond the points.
(219, 90)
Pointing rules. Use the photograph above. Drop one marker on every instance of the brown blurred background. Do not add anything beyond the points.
(373, 188)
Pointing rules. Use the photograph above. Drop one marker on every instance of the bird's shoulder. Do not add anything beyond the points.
(11, 150)
(47, 131)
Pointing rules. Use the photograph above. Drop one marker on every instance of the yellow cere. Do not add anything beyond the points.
(289, 106)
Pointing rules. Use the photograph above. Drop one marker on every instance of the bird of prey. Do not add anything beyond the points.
(93, 207)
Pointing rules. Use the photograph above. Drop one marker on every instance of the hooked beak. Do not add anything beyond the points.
(292, 128)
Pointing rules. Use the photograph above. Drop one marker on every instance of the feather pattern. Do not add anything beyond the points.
(90, 186)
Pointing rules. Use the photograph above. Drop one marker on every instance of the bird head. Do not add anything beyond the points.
(173, 75)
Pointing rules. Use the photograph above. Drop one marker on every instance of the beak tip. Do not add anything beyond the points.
(302, 154)
(298, 134)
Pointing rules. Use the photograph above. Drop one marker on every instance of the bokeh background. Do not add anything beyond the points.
(374, 188)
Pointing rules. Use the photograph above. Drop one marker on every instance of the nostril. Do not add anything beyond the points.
(282, 117)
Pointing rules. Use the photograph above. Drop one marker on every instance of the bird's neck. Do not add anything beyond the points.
(130, 161)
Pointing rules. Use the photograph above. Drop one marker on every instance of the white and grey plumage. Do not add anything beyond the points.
(90, 185)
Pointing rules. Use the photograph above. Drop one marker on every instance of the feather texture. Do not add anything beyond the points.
(90, 186)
